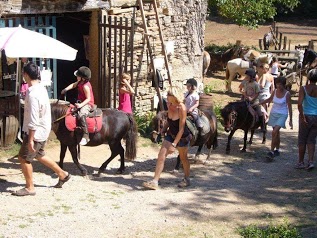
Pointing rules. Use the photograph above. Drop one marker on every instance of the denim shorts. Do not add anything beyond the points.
(183, 142)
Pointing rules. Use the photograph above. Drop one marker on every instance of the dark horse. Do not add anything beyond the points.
(218, 61)
(210, 139)
(237, 116)
(310, 59)
(116, 125)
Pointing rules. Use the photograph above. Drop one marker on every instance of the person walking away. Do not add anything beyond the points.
(307, 132)
(86, 101)
(266, 82)
(251, 90)
(36, 128)
(192, 102)
(281, 109)
(178, 137)
(125, 92)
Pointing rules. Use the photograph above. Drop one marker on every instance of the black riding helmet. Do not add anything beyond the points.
(83, 72)
(192, 82)
(251, 72)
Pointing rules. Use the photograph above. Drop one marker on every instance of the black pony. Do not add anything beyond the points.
(237, 116)
(310, 59)
(116, 125)
(210, 139)
(218, 61)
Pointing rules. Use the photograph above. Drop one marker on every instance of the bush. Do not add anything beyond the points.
(280, 231)
(213, 48)
(144, 123)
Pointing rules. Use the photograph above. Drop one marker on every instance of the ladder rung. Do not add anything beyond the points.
(149, 13)
(153, 28)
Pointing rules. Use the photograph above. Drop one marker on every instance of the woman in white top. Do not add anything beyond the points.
(276, 66)
(281, 108)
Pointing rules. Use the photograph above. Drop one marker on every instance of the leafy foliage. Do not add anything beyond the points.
(144, 123)
(280, 231)
(213, 48)
(250, 13)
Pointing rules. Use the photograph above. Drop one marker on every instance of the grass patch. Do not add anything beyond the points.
(22, 226)
(284, 230)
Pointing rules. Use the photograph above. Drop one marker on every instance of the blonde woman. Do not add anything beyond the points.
(178, 137)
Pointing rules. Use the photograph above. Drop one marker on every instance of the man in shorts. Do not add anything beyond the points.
(36, 128)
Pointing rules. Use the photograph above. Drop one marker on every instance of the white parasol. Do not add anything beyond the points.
(19, 42)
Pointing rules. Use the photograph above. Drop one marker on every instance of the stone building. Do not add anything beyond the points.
(109, 38)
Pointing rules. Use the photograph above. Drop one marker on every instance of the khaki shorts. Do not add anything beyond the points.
(29, 156)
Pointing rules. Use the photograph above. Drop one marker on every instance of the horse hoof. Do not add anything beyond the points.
(227, 152)
(250, 143)
(120, 171)
(243, 150)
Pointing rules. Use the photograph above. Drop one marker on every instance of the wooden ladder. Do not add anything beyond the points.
(147, 34)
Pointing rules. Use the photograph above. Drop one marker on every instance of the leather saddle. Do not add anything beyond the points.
(94, 119)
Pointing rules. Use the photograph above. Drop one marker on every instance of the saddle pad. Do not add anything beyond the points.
(206, 125)
(94, 124)
(245, 64)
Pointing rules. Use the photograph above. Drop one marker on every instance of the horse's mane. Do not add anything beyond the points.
(58, 110)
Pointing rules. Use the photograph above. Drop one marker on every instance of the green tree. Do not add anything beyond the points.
(250, 13)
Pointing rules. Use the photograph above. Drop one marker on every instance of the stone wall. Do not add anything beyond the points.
(183, 23)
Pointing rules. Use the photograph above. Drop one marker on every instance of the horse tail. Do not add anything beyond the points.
(206, 62)
(131, 139)
(215, 140)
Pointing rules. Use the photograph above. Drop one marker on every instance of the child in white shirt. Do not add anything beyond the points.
(192, 101)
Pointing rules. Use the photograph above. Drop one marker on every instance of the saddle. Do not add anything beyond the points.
(193, 127)
(94, 119)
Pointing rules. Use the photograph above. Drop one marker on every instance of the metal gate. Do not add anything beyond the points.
(47, 26)
(116, 56)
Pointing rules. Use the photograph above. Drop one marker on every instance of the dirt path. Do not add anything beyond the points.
(227, 192)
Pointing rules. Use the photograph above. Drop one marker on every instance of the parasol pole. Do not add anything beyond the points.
(18, 83)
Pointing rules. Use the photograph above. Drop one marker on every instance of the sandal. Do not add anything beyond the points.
(23, 192)
(300, 165)
(150, 185)
(62, 181)
(184, 183)
(310, 166)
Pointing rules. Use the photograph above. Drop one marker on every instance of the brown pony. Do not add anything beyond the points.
(206, 62)
(210, 139)
(116, 125)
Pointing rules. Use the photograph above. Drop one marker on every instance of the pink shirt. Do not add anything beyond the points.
(125, 102)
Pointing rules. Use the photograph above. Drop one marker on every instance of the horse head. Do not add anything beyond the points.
(230, 114)
(159, 124)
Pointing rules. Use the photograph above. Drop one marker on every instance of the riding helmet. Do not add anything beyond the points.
(83, 72)
(250, 72)
(192, 82)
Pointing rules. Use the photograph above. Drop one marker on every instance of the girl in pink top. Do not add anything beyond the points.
(125, 91)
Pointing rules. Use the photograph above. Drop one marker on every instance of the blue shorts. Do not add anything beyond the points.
(183, 142)
(277, 119)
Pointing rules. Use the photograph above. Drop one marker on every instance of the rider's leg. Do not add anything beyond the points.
(83, 124)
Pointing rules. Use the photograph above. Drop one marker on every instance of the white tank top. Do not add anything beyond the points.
(274, 69)
(279, 104)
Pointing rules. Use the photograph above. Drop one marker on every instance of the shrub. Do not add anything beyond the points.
(272, 231)
(144, 123)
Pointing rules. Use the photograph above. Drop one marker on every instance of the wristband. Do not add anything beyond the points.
(174, 145)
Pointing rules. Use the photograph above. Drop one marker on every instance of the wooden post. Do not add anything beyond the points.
(260, 43)
(276, 31)
(310, 44)
(280, 41)
(273, 25)
(238, 42)
(284, 42)
(289, 45)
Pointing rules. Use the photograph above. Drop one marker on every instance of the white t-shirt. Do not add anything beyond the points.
(190, 99)
(37, 112)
